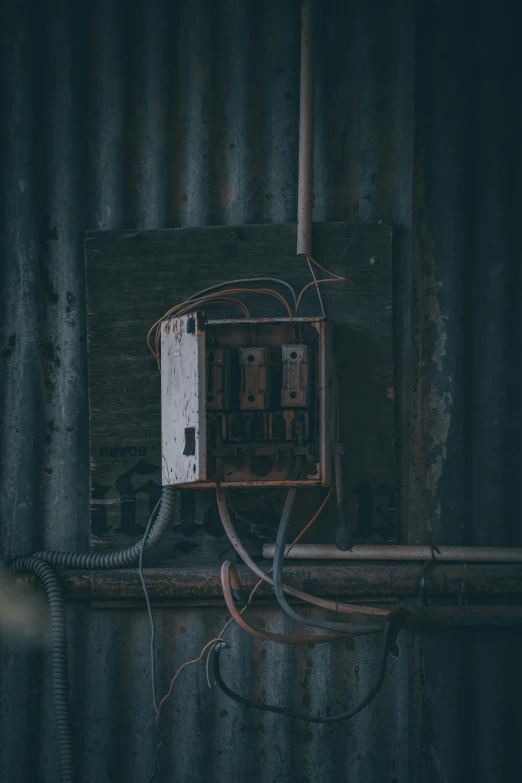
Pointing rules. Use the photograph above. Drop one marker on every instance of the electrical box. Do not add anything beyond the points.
(242, 399)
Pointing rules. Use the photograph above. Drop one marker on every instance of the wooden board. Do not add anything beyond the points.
(133, 277)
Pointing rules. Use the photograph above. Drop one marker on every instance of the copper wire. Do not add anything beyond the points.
(183, 665)
(306, 597)
(281, 638)
(317, 283)
(323, 269)
(217, 296)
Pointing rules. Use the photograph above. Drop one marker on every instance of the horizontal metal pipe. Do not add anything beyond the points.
(477, 554)
(364, 580)
(268, 321)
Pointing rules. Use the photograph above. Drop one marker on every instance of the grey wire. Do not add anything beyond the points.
(277, 572)
(149, 608)
(247, 280)
(374, 690)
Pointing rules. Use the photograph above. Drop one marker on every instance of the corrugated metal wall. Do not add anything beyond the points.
(153, 114)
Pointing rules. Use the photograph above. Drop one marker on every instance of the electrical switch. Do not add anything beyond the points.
(254, 378)
(296, 377)
(218, 379)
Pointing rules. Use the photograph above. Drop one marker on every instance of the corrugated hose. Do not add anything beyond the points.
(40, 564)
(45, 573)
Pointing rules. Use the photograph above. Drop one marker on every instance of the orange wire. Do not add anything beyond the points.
(280, 638)
(296, 540)
(323, 269)
(219, 638)
(175, 312)
(319, 282)
(183, 665)
(186, 307)
(190, 304)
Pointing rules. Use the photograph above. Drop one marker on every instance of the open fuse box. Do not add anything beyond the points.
(243, 399)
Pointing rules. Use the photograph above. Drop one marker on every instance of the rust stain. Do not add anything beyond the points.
(438, 405)
(433, 396)
(177, 329)
(357, 580)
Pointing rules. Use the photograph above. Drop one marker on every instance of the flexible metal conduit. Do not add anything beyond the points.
(120, 558)
(33, 565)
(478, 554)
(41, 563)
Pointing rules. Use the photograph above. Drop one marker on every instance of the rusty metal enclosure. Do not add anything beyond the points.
(157, 114)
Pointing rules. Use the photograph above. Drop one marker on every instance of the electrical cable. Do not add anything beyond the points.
(34, 565)
(155, 760)
(189, 305)
(120, 558)
(317, 283)
(306, 597)
(214, 292)
(280, 638)
(301, 716)
(319, 294)
(149, 608)
(248, 280)
(164, 699)
(294, 542)
(278, 573)
(180, 669)
(323, 269)
(258, 584)
(40, 564)
(211, 644)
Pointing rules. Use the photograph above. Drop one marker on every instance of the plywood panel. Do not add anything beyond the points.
(134, 277)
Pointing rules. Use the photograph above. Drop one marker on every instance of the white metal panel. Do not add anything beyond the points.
(182, 401)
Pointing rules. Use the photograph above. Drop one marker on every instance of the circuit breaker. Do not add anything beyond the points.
(243, 399)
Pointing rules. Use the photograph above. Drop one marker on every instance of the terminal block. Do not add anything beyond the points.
(239, 414)
(296, 377)
(218, 379)
(254, 378)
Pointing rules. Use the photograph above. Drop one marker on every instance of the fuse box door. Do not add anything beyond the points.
(183, 401)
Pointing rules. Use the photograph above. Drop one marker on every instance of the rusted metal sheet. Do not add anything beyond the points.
(113, 116)
(358, 580)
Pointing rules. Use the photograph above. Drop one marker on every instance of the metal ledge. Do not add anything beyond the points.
(364, 580)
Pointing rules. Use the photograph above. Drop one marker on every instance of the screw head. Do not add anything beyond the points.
(372, 260)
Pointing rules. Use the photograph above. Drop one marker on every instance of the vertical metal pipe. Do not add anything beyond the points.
(343, 538)
(306, 131)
